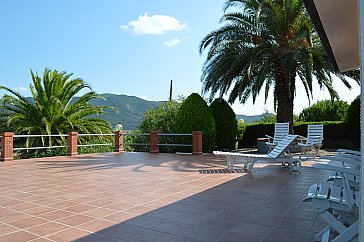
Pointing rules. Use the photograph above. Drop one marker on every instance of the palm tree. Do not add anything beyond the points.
(53, 108)
(266, 44)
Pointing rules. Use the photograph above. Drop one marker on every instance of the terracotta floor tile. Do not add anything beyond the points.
(255, 230)
(5, 229)
(288, 235)
(96, 238)
(63, 205)
(96, 225)
(80, 208)
(18, 236)
(120, 217)
(122, 231)
(13, 217)
(100, 212)
(173, 227)
(204, 234)
(152, 236)
(39, 210)
(291, 223)
(164, 194)
(47, 229)
(68, 235)
(56, 215)
(233, 236)
(76, 219)
(267, 220)
(28, 222)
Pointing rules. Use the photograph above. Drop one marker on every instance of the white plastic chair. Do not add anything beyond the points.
(315, 136)
(281, 130)
(279, 153)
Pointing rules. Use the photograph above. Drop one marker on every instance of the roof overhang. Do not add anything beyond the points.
(337, 22)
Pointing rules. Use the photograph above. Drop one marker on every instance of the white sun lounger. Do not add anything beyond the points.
(337, 205)
(279, 153)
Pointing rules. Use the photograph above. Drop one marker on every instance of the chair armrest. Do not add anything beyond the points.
(301, 139)
(346, 170)
(352, 152)
(270, 138)
(342, 159)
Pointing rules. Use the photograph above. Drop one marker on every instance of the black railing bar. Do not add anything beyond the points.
(39, 135)
(96, 135)
(137, 134)
(43, 147)
(136, 144)
(94, 145)
(175, 134)
(184, 145)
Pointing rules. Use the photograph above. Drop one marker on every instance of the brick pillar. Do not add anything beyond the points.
(197, 142)
(154, 141)
(7, 146)
(72, 143)
(119, 141)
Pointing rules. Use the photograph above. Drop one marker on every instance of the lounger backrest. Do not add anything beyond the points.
(315, 133)
(281, 130)
(282, 146)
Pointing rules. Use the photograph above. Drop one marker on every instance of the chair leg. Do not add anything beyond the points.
(333, 222)
(350, 233)
(324, 235)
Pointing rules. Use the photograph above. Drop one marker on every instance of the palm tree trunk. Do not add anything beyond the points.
(285, 89)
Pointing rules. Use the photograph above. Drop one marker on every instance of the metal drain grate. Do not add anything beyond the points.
(219, 171)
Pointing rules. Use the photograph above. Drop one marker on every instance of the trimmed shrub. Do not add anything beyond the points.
(254, 131)
(226, 124)
(336, 134)
(161, 119)
(326, 110)
(195, 115)
(353, 120)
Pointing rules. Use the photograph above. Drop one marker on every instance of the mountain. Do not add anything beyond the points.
(131, 109)
(249, 119)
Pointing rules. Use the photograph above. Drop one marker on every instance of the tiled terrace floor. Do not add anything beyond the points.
(152, 197)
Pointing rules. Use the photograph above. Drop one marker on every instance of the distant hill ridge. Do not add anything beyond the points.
(131, 110)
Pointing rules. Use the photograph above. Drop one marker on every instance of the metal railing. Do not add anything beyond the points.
(39, 136)
(72, 141)
(92, 135)
(173, 144)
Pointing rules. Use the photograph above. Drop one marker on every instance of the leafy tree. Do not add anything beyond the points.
(353, 120)
(265, 44)
(53, 108)
(195, 115)
(326, 110)
(267, 117)
(161, 119)
(226, 124)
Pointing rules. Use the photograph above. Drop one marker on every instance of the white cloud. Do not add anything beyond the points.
(144, 97)
(21, 89)
(154, 25)
(172, 42)
(124, 27)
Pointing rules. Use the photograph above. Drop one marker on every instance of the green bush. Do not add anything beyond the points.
(353, 120)
(336, 134)
(160, 119)
(226, 124)
(326, 110)
(254, 131)
(195, 115)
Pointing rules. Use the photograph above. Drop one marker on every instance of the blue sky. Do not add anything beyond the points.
(119, 46)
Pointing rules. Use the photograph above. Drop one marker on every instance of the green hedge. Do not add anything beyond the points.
(336, 134)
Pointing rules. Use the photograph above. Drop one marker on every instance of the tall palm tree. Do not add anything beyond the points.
(266, 44)
(53, 107)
